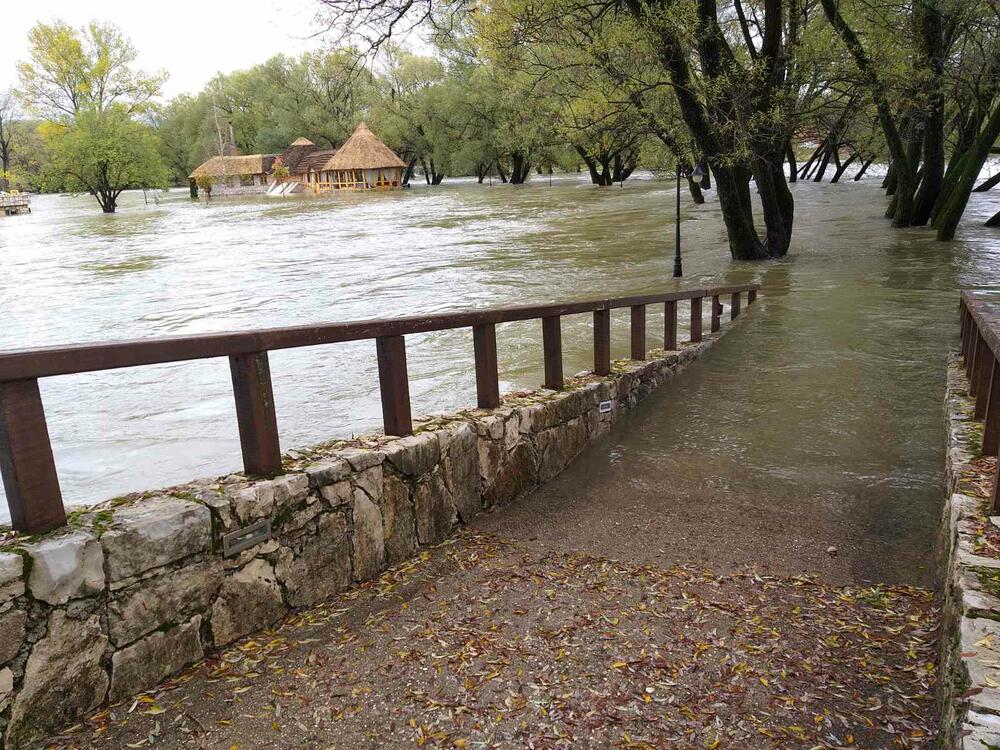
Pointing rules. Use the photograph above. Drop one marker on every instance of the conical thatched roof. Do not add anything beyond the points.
(293, 156)
(363, 150)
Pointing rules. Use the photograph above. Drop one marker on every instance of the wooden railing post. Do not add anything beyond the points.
(552, 352)
(981, 378)
(696, 319)
(638, 330)
(670, 325)
(602, 342)
(716, 314)
(394, 385)
(734, 306)
(29, 471)
(255, 413)
(751, 296)
(979, 355)
(484, 341)
(991, 428)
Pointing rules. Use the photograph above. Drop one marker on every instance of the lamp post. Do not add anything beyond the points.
(678, 269)
(696, 174)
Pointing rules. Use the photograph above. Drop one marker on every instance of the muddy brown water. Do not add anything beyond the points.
(818, 423)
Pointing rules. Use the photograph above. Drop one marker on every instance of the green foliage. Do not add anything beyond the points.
(104, 153)
(70, 70)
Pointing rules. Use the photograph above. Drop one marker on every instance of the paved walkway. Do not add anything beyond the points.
(481, 643)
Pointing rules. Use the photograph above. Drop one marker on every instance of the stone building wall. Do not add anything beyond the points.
(969, 681)
(138, 588)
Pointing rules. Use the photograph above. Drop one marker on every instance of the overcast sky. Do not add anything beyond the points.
(190, 39)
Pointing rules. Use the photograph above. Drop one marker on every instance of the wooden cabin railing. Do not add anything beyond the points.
(980, 340)
(29, 472)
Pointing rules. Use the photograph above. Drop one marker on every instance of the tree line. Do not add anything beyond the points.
(757, 94)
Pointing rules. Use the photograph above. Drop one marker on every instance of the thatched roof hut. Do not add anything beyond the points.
(293, 156)
(231, 166)
(363, 150)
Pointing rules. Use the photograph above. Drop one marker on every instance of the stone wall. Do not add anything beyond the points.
(970, 631)
(139, 587)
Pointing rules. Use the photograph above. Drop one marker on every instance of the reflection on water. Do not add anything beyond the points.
(836, 379)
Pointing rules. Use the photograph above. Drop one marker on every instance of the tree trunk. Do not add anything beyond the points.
(994, 221)
(695, 189)
(843, 168)
(777, 202)
(737, 214)
(831, 149)
(946, 222)
(989, 184)
(706, 175)
(501, 172)
(864, 168)
(807, 166)
(793, 170)
(520, 168)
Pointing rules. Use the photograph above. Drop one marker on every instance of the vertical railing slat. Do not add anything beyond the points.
(638, 330)
(983, 377)
(394, 385)
(255, 415)
(991, 429)
(602, 342)
(979, 358)
(751, 296)
(670, 325)
(552, 352)
(734, 306)
(696, 319)
(26, 462)
(484, 342)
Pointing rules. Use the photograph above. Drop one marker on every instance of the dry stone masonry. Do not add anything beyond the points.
(138, 588)
(970, 637)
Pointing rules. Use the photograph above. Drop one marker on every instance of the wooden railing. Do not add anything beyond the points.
(980, 339)
(29, 472)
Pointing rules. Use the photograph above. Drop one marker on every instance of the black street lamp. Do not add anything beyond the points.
(696, 174)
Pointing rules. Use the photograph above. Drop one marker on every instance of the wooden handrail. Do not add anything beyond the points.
(28, 469)
(980, 351)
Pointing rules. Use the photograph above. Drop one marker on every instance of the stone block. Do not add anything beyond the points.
(399, 524)
(316, 566)
(12, 628)
(461, 473)
(434, 509)
(338, 493)
(414, 455)
(64, 567)
(515, 478)
(327, 471)
(290, 490)
(63, 679)
(558, 446)
(254, 503)
(369, 539)
(490, 454)
(528, 416)
(6, 688)
(249, 600)
(148, 662)
(980, 638)
(11, 580)
(154, 533)
(361, 458)
(152, 603)
(370, 481)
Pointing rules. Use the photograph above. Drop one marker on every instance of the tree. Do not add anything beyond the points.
(70, 70)
(8, 118)
(104, 152)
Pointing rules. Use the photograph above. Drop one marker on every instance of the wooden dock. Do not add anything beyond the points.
(15, 204)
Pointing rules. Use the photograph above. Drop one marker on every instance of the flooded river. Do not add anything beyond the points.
(832, 387)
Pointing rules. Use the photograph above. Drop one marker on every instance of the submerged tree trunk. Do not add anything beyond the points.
(793, 169)
(994, 221)
(520, 168)
(843, 168)
(946, 222)
(864, 168)
(988, 184)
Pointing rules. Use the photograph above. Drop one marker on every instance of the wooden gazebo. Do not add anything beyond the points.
(364, 162)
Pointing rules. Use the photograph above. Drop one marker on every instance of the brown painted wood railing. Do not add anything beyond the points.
(29, 472)
(980, 339)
